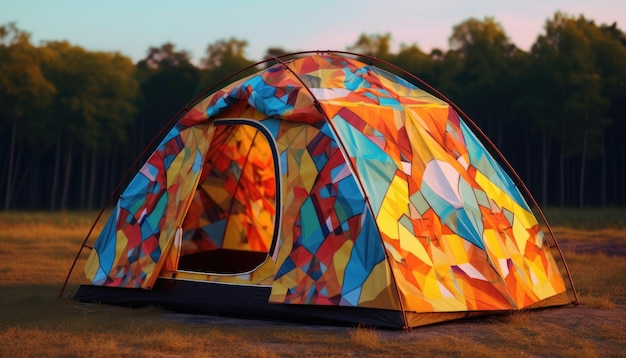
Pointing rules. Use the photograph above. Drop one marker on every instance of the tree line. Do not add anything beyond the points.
(73, 121)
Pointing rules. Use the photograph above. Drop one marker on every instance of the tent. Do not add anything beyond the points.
(324, 189)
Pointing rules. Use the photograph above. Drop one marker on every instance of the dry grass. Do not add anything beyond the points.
(36, 251)
(599, 277)
(597, 302)
(520, 318)
(365, 336)
(50, 241)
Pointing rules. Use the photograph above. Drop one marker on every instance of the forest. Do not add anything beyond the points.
(73, 121)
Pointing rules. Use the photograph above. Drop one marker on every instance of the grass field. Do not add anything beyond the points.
(37, 249)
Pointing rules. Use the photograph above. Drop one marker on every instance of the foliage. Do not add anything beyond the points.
(68, 116)
(163, 57)
(225, 58)
(23, 87)
(168, 80)
(95, 93)
(25, 94)
(224, 52)
(373, 45)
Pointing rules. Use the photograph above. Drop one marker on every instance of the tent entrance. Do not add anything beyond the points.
(231, 225)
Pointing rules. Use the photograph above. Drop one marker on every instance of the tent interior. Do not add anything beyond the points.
(230, 225)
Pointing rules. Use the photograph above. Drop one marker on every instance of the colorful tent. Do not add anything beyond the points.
(324, 189)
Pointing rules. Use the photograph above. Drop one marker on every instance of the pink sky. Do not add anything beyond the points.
(131, 27)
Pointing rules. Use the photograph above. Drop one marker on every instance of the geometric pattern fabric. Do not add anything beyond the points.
(386, 199)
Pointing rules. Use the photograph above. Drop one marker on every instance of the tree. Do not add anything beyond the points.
(164, 57)
(225, 53)
(92, 108)
(574, 89)
(25, 93)
(225, 58)
(413, 59)
(610, 48)
(117, 92)
(485, 54)
(374, 45)
(533, 109)
(167, 81)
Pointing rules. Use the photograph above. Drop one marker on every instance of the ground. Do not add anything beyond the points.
(555, 324)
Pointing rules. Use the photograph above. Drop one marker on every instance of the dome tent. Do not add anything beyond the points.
(324, 189)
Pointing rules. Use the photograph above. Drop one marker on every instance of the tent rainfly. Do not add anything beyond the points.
(326, 190)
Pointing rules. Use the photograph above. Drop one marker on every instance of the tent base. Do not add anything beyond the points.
(252, 302)
(235, 301)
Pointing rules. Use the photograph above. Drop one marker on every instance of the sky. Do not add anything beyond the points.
(131, 27)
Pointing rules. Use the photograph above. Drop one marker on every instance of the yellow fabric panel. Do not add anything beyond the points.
(526, 217)
(409, 243)
(411, 292)
(492, 242)
(379, 290)
(440, 284)
(420, 147)
(149, 265)
(537, 267)
(547, 289)
(171, 262)
(264, 221)
(234, 237)
(534, 272)
(520, 233)
(559, 299)
(262, 276)
(308, 171)
(504, 201)
(121, 241)
(554, 274)
(428, 295)
(455, 248)
(393, 207)
(340, 259)
(415, 319)
(92, 265)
